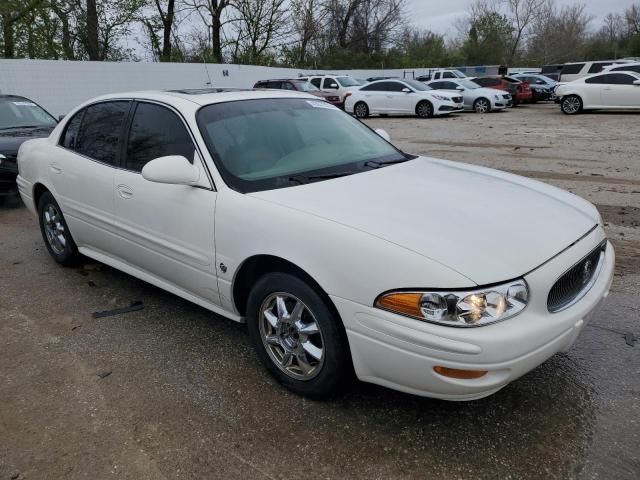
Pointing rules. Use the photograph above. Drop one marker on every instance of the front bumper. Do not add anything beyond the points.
(451, 108)
(400, 353)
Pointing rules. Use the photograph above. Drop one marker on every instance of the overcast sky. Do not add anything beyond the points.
(439, 15)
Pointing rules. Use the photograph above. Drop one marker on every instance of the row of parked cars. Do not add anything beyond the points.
(441, 93)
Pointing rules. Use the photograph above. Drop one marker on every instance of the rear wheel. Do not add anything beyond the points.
(296, 335)
(55, 231)
(424, 109)
(361, 110)
(571, 105)
(482, 105)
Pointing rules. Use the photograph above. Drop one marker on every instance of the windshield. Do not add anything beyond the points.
(416, 85)
(347, 82)
(459, 74)
(20, 112)
(307, 87)
(469, 84)
(261, 144)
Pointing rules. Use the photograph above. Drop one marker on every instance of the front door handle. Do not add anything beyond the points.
(125, 191)
(55, 168)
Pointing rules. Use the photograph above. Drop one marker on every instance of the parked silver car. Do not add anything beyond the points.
(476, 98)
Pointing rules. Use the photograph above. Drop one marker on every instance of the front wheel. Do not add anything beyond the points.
(424, 109)
(55, 231)
(296, 335)
(482, 105)
(361, 110)
(571, 105)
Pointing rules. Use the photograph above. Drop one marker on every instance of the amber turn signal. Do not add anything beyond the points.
(460, 374)
(406, 303)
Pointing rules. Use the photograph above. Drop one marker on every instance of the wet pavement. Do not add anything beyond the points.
(173, 391)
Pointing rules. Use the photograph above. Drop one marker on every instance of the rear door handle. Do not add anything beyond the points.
(55, 168)
(125, 191)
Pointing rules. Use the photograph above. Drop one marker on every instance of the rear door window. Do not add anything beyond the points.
(572, 68)
(101, 131)
(620, 79)
(598, 66)
(155, 132)
(316, 82)
(68, 138)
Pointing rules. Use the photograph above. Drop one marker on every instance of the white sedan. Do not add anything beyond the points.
(339, 251)
(475, 97)
(401, 97)
(609, 90)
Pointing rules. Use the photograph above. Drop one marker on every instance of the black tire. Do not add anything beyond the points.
(361, 110)
(424, 109)
(482, 105)
(63, 249)
(571, 105)
(335, 365)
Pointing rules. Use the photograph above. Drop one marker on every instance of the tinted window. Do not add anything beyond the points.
(328, 84)
(260, 85)
(597, 67)
(287, 86)
(316, 82)
(438, 85)
(600, 79)
(101, 130)
(68, 139)
(448, 75)
(156, 132)
(620, 79)
(572, 68)
(634, 68)
(395, 86)
(375, 87)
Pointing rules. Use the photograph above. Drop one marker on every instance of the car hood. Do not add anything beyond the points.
(487, 225)
(10, 140)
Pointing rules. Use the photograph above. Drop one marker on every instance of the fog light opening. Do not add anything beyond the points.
(460, 374)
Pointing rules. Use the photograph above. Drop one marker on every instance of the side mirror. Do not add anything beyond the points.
(636, 82)
(406, 90)
(172, 169)
(539, 82)
(460, 88)
(334, 85)
(61, 117)
(383, 134)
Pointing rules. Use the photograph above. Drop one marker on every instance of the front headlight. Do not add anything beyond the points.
(442, 98)
(468, 308)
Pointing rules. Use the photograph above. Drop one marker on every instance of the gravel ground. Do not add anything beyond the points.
(173, 391)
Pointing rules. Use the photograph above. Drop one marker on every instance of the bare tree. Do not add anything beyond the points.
(632, 15)
(307, 21)
(212, 13)
(12, 11)
(260, 25)
(522, 14)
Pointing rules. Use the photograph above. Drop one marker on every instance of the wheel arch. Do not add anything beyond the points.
(424, 100)
(256, 266)
(38, 189)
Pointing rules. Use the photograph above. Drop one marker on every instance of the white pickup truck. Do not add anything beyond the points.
(441, 75)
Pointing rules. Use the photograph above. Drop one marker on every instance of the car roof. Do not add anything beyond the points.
(204, 96)
(14, 97)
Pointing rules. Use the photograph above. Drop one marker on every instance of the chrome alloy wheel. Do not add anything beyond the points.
(571, 105)
(361, 110)
(291, 336)
(424, 109)
(54, 229)
(482, 106)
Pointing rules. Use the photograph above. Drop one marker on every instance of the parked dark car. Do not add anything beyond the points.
(520, 91)
(20, 120)
(542, 86)
(300, 86)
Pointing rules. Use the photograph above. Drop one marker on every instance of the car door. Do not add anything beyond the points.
(619, 91)
(167, 230)
(398, 101)
(83, 168)
(374, 95)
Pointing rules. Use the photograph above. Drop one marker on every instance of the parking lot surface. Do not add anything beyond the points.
(174, 391)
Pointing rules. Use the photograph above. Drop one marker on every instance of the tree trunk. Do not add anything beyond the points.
(92, 31)
(7, 34)
(216, 44)
(167, 24)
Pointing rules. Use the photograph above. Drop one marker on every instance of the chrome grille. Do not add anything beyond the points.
(576, 282)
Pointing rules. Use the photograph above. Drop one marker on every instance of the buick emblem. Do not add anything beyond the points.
(586, 271)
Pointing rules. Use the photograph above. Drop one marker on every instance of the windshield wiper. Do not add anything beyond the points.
(376, 164)
(302, 179)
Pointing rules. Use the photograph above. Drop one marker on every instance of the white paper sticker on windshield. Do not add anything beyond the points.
(24, 104)
(321, 104)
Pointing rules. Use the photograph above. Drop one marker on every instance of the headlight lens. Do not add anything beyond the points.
(471, 308)
(442, 98)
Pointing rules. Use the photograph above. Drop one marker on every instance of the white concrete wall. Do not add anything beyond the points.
(60, 85)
